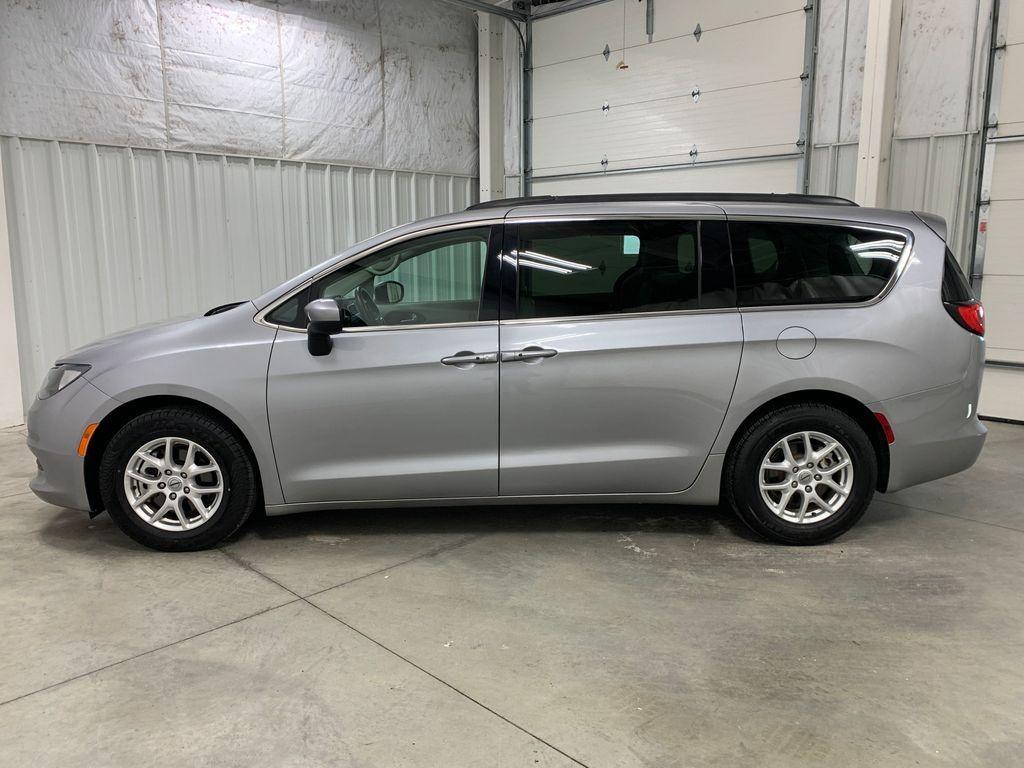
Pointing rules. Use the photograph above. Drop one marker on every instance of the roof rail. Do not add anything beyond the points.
(679, 197)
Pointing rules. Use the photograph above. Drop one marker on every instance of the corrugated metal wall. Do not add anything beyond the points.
(935, 140)
(105, 238)
(936, 136)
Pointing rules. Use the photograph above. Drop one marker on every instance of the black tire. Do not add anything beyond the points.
(741, 489)
(241, 488)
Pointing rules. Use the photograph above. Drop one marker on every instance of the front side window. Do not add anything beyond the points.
(580, 268)
(780, 263)
(428, 280)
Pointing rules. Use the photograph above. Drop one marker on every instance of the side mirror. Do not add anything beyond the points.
(389, 292)
(324, 321)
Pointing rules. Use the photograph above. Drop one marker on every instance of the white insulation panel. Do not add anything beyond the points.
(679, 98)
(383, 83)
(105, 238)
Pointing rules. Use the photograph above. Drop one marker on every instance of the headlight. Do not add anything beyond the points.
(59, 377)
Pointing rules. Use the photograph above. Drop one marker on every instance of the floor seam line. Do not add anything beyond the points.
(241, 561)
(414, 558)
(951, 515)
(12, 495)
(446, 684)
(164, 647)
(411, 663)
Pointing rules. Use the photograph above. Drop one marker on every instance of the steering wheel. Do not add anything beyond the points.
(367, 307)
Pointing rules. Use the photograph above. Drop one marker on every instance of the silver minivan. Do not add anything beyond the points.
(787, 355)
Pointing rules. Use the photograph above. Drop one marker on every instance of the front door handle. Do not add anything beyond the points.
(466, 359)
(526, 354)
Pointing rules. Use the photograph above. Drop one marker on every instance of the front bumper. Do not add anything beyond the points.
(55, 427)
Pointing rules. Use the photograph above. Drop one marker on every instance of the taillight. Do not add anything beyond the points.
(969, 314)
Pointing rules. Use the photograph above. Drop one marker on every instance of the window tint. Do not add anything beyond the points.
(434, 279)
(790, 263)
(570, 269)
(955, 288)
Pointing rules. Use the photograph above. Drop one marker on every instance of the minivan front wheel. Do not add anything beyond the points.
(802, 474)
(175, 479)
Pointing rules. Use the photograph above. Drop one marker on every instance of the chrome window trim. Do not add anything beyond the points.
(617, 316)
(260, 317)
(379, 328)
(901, 266)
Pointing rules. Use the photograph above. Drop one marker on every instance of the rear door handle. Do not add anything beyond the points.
(465, 359)
(528, 353)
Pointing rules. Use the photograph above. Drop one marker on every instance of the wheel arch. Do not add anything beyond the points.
(117, 418)
(852, 407)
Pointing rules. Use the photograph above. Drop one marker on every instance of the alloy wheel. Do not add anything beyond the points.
(173, 484)
(806, 477)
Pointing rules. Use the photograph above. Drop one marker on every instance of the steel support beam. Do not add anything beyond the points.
(989, 136)
(11, 412)
(807, 96)
(491, 104)
(881, 63)
(526, 144)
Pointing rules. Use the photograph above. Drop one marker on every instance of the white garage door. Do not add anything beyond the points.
(1002, 286)
(730, 93)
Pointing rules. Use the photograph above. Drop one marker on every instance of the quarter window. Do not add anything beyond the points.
(433, 279)
(569, 269)
(780, 263)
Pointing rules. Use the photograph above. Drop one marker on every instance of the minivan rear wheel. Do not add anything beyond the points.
(801, 474)
(175, 479)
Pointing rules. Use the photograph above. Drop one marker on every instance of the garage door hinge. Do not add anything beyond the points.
(604, 161)
(697, 32)
(805, 75)
(809, 7)
(693, 153)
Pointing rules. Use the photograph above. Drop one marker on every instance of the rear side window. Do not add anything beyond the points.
(581, 268)
(955, 288)
(779, 263)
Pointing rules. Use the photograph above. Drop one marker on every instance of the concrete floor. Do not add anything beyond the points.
(505, 637)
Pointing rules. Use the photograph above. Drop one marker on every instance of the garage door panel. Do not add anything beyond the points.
(1003, 296)
(1015, 26)
(671, 68)
(1003, 243)
(583, 32)
(1008, 178)
(753, 176)
(657, 161)
(757, 118)
(672, 19)
(1011, 100)
(1000, 393)
(586, 31)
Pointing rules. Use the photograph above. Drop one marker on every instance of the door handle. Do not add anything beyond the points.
(465, 359)
(528, 353)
